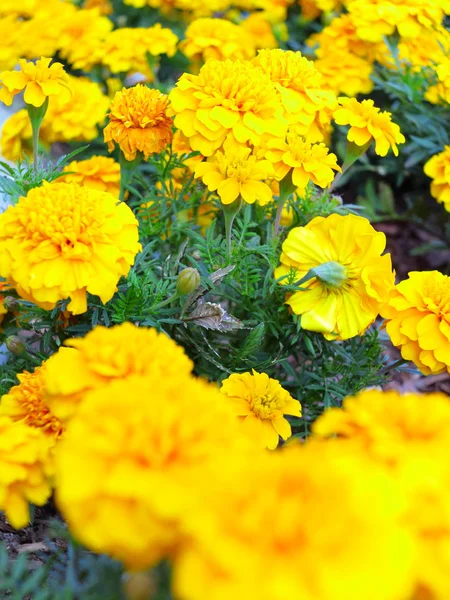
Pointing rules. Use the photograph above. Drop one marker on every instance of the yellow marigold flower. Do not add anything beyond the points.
(440, 93)
(352, 77)
(11, 48)
(438, 168)
(26, 402)
(126, 49)
(276, 511)
(351, 281)
(98, 172)
(106, 354)
(408, 435)
(218, 39)
(63, 240)
(3, 310)
(25, 467)
(261, 404)
(16, 136)
(141, 463)
(306, 162)
(104, 6)
(38, 80)
(226, 98)
(367, 123)
(300, 87)
(237, 173)
(76, 119)
(138, 122)
(261, 30)
(418, 320)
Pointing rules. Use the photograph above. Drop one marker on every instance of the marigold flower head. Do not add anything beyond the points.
(261, 30)
(138, 122)
(418, 320)
(141, 463)
(26, 402)
(107, 354)
(227, 98)
(438, 168)
(11, 49)
(352, 77)
(440, 92)
(25, 467)
(237, 173)
(218, 39)
(38, 80)
(306, 162)
(16, 136)
(367, 123)
(276, 511)
(408, 435)
(261, 404)
(300, 87)
(104, 6)
(353, 280)
(63, 240)
(98, 172)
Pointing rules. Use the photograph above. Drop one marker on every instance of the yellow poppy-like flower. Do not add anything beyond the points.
(306, 162)
(367, 123)
(301, 89)
(218, 39)
(26, 402)
(98, 172)
(261, 403)
(63, 240)
(38, 80)
(350, 281)
(227, 98)
(138, 122)
(418, 320)
(16, 136)
(235, 173)
(275, 510)
(106, 354)
(438, 168)
(25, 468)
(408, 435)
(135, 455)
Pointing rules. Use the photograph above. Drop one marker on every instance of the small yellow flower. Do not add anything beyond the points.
(107, 354)
(63, 240)
(367, 123)
(418, 320)
(138, 122)
(261, 404)
(98, 172)
(306, 162)
(26, 402)
(351, 281)
(25, 468)
(38, 80)
(237, 173)
(438, 168)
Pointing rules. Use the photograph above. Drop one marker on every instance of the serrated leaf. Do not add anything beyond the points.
(252, 342)
(213, 316)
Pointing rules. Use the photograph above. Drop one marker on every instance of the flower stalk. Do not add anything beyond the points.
(127, 171)
(36, 115)
(287, 188)
(230, 211)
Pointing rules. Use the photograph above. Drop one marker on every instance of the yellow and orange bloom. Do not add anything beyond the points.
(39, 81)
(418, 320)
(98, 172)
(368, 124)
(261, 404)
(438, 168)
(138, 122)
(346, 279)
(63, 240)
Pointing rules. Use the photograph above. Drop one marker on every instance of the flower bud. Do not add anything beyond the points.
(138, 586)
(15, 345)
(188, 280)
(10, 303)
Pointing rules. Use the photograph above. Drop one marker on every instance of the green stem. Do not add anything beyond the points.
(229, 212)
(127, 170)
(166, 302)
(352, 154)
(287, 188)
(36, 115)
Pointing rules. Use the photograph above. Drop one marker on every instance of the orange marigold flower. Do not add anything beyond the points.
(138, 122)
(438, 168)
(306, 162)
(25, 468)
(367, 123)
(38, 80)
(418, 320)
(63, 240)
(26, 402)
(227, 98)
(106, 354)
(237, 173)
(98, 172)
(261, 404)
